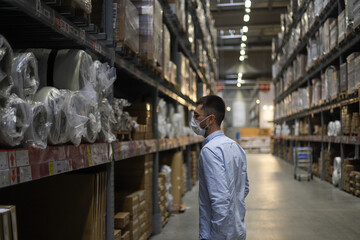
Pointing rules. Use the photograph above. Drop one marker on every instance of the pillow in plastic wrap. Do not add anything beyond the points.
(6, 58)
(104, 78)
(37, 133)
(337, 171)
(15, 118)
(107, 121)
(25, 76)
(54, 101)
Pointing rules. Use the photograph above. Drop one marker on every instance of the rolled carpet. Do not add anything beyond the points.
(37, 133)
(6, 58)
(25, 76)
(54, 101)
(15, 118)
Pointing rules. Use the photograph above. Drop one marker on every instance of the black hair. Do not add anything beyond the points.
(213, 104)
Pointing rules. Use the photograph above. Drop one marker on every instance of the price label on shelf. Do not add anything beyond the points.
(61, 24)
(25, 174)
(89, 155)
(96, 46)
(4, 164)
(22, 158)
(12, 159)
(51, 168)
(59, 167)
(13, 176)
(4, 178)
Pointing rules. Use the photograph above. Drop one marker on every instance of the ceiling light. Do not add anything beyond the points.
(243, 45)
(246, 17)
(238, 84)
(239, 80)
(245, 29)
(242, 52)
(247, 3)
(247, 10)
(265, 107)
(241, 58)
(271, 107)
(244, 38)
(258, 101)
(240, 75)
(228, 109)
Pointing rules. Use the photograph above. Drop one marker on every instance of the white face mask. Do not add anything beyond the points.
(195, 126)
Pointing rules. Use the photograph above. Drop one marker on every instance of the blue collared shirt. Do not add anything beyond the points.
(223, 186)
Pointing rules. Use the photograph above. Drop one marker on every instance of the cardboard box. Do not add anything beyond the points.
(126, 236)
(122, 219)
(166, 52)
(127, 203)
(117, 234)
(141, 194)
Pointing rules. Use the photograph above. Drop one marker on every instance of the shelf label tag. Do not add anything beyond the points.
(4, 178)
(13, 176)
(12, 159)
(61, 166)
(22, 158)
(4, 164)
(61, 24)
(89, 155)
(51, 168)
(25, 174)
(96, 46)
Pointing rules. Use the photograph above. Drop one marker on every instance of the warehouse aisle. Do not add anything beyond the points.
(280, 208)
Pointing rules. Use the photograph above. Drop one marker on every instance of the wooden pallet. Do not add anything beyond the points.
(123, 135)
(152, 65)
(124, 50)
(342, 96)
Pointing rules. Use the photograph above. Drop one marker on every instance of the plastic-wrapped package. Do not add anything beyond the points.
(336, 176)
(341, 26)
(105, 77)
(126, 24)
(162, 126)
(333, 33)
(54, 101)
(107, 121)
(6, 58)
(42, 57)
(356, 13)
(334, 128)
(25, 76)
(72, 69)
(85, 5)
(316, 92)
(167, 51)
(150, 22)
(93, 124)
(317, 7)
(349, 14)
(37, 133)
(166, 169)
(301, 65)
(15, 118)
(324, 88)
(332, 78)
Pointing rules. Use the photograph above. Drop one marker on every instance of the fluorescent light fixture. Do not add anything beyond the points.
(247, 10)
(243, 45)
(245, 29)
(244, 38)
(246, 17)
(248, 4)
(238, 84)
(258, 101)
(240, 75)
(241, 58)
(271, 107)
(228, 109)
(242, 52)
(265, 107)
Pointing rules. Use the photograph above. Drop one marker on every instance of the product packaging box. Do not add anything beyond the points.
(121, 220)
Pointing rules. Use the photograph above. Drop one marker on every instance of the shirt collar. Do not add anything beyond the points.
(212, 136)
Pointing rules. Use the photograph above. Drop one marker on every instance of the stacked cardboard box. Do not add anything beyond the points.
(8, 224)
(194, 167)
(351, 71)
(121, 222)
(126, 25)
(135, 196)
(356, 182)
(166, 53)
(349, 165)
(345, 120)
(143, 114)
(354, 130)
(150, 23)
(163, 201)
(329, 168)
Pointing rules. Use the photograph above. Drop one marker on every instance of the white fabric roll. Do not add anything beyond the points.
(107, 121)
(37, 133)
(54, 101)
(6, 58)
(15, 119)
(72, 69)
(25, 76)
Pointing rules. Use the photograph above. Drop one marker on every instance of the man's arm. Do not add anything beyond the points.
(216, 182)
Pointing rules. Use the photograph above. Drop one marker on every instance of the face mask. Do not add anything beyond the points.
(195, 126)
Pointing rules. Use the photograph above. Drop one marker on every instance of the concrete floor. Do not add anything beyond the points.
(280, 208)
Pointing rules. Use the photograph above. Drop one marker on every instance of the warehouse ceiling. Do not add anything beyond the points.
(264, 24)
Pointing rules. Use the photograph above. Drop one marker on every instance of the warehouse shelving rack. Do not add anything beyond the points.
(52, 30)
(324, 109)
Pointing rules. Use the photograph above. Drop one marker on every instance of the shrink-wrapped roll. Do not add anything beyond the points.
(37, 133)
(105, 76)
(107, 121)
(336, 176)
(6, 58)
(25, 76)
(72, 69)
(15, 118)
(42, 57)
(54, 101)
(93, 125)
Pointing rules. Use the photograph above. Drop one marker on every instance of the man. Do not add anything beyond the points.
(223, 182)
